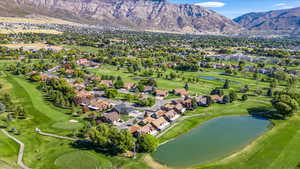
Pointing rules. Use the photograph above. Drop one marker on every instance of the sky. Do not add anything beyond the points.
(235, 8)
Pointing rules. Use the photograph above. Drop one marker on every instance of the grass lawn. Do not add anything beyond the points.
(65, 125)
(82, 159)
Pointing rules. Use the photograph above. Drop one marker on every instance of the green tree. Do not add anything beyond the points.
(233, 96)
(147, 143)
(119, 83)
(284, 104)
(226, 84)
(111, 93)
(245, 97)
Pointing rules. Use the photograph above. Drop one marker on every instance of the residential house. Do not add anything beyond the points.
(100, 105)
(111, 118)
(129, 86)
(158, 114)
(108, 83)
(179, 108)
(201, 100)
(148, 89)
(148, 129)
(83, 62)
(181, 92)
(82, 97)
(146, 121)
(171, 115)
(135, 129)
(123, 109)
(168, 107)
(161, 93)
(217, 98)
(160, 123)
(187, 103)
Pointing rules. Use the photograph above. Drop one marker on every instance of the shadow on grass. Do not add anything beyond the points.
(264, 112)
(88, 145)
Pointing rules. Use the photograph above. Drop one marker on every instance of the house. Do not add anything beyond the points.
(181, 92)
(179, 108)
(171, 115)
(148, 89)
(123, 109)
(146, 121)
(158, 114)
(161, 93)
(201, 101)
(83, 61)
(168, 107)
(187, 103)
(160, 123)
(111, 118)
(82, 96)
(100, 105)
(129, 85)
(148, 129)
(217, 98)
(135, 129)
(108, 83)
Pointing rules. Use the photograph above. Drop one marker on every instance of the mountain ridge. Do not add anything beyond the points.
(159, 15)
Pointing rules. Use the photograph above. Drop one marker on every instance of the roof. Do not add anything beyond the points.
(161, 92)
(112, 116)
(129, 85)
(160, 113)
(134, 128)
(170, 114)
(181, 92)
(107, 82)
(147, 129)
(123, 109)
(158, 122)
(148, 120)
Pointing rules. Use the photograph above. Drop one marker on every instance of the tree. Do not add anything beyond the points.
(119, 83)
(226, 99)
(273, 83)
(244, 97)
(111, 93)
(186, 86)
(194, 103)
(285, 104)
(147, 143)
(270, 92)
(233, 96)
(226, 84)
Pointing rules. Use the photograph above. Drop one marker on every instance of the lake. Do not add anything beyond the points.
(215, 139)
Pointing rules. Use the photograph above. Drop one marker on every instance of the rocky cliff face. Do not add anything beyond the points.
(285, 21)
(156, 15)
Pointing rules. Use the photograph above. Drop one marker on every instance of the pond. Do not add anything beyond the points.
(215, 78)
(215, 139)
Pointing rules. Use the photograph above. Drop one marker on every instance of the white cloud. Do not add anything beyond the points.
(280, 4)
(283, 5)
(211, 4)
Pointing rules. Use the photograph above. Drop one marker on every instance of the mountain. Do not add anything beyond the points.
(284, 22)
(154, 15)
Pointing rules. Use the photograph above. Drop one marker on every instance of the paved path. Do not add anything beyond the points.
(21, 150)
(54, 135)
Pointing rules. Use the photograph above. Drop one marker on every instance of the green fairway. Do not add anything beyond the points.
(37, 99)
(67, 125)
(81, 160)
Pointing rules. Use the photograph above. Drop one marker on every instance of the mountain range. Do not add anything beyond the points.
(284, 22)
(157, 15)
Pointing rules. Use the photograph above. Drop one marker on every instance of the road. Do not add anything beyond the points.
(21, 150)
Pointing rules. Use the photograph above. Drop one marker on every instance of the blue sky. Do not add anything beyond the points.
(234, 8)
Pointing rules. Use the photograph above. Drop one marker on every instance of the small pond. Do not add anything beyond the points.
(215, 78)
(215, 139)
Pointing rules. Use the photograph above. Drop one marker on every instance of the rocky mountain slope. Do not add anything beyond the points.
(278, 22)
(154, 15)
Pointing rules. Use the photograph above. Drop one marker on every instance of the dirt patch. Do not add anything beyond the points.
(153, 164)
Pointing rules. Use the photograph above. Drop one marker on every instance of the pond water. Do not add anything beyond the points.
(215, 78)
(215, 139)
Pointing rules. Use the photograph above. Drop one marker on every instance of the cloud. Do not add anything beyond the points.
(211, 4)
(280, 4)
(283, 5)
